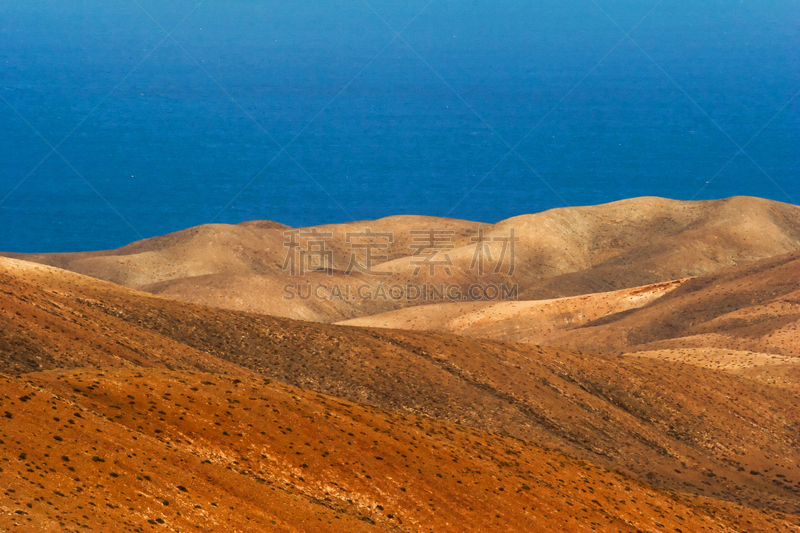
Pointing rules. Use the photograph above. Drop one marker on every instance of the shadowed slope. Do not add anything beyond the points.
(754, 307)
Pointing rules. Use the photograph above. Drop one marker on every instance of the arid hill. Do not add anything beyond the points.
(753, 307)
(742, 319)
(561, 252)
(749, 308)
(149, 449)
(694, 430)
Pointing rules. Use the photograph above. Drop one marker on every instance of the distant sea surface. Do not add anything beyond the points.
(125, 119)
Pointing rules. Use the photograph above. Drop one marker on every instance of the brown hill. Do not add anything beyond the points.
(740, 319)
(561, 252)
(147, 449)
(673, 425)
(755, 307)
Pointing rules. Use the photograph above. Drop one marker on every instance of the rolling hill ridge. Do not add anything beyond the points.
(557, 253)
(666, 423)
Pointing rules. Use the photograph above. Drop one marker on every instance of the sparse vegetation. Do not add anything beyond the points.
(140, 446)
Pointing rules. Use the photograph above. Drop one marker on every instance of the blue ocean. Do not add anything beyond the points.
(124, 119)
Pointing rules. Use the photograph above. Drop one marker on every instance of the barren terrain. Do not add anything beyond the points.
(648, 382)
(742, 319)
(561, 252)
(150, 449)
(694, 430)
(533, 321)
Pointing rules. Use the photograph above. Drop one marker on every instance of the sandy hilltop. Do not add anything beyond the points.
(645, 376)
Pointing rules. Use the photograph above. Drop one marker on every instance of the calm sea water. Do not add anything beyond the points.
(314, 111)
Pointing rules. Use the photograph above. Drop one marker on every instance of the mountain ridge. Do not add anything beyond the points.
(562, 252)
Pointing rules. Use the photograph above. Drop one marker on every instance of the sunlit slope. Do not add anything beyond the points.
(560, 252)
(145, 450)
(695, 430)
(535, 321)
